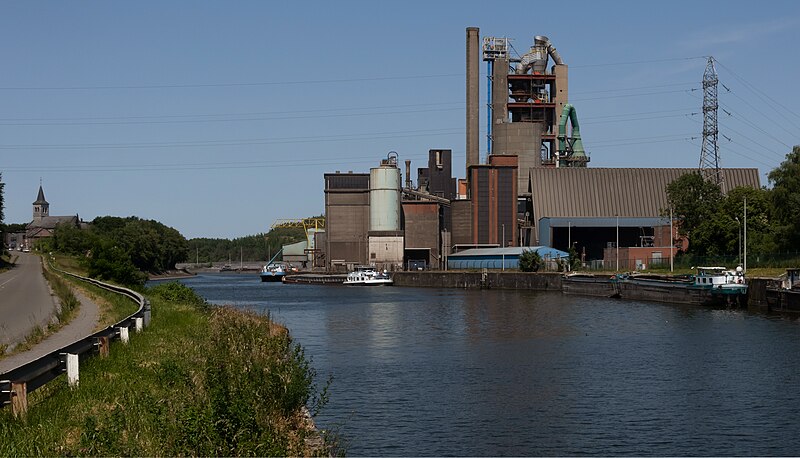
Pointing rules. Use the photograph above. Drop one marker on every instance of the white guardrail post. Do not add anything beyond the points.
(72, 370)
(123, 334)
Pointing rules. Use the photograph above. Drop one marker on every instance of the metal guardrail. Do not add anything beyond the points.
(39, 372)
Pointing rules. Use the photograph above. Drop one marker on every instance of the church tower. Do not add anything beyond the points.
(41, 208)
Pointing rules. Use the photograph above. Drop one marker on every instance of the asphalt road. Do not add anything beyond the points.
(16, 297)
(25, 300)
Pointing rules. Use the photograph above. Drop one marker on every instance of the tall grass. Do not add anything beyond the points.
(198, 381)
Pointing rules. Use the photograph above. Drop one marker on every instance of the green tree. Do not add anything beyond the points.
(120, 249)
(785, 197)
(530, 261)
(110, 262)
(760, 227)
(714, 222)
(693, 200)
(71, 240)
(259, 247)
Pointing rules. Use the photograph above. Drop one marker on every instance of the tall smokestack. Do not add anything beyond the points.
(473, 98)
(408, 173)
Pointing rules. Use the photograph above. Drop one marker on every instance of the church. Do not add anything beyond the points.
(43, 224)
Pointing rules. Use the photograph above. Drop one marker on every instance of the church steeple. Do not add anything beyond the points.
(40, 208)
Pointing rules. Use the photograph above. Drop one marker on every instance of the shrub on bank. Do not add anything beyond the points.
(177, 292)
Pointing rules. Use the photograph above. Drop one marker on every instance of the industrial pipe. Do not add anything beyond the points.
(536, 58)
(573, 149)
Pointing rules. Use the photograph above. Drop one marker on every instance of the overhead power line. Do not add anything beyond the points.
(224, 119)
(241, 142)
(212, 85)
(183, 166)
(637, 95)
(246, 113)
(636, 62)
(756, 90)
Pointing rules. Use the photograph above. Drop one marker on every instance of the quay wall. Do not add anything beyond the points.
(487, 280)
(762, 293)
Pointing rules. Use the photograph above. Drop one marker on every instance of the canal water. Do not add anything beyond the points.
(419, 371)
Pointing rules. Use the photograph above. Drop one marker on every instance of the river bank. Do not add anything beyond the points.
(515, 372)
(199, 380)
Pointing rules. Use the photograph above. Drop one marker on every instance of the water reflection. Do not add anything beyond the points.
(456, 372)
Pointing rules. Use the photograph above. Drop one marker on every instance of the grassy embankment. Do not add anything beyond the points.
(197, 381)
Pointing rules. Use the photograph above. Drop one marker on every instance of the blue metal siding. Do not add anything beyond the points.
(484, 262)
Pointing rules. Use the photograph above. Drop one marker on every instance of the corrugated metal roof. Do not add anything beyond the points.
(543, 251)
(602, 192)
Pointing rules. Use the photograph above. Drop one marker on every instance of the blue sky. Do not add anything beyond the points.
(217, 118)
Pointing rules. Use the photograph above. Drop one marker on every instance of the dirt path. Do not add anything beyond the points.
(82, 325)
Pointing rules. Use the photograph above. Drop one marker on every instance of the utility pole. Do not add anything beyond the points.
(739, 256)
(569, 245)
(745, 234)
(617, 242)
(671, 242)
(709, 153)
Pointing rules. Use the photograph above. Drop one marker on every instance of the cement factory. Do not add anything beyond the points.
(534, 191)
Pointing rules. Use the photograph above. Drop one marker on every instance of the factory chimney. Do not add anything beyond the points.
(473, 98)
(408, 173)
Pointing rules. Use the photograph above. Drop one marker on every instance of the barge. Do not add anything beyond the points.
(785, 296)
(589, 285)
(315, 279)
(711, 286)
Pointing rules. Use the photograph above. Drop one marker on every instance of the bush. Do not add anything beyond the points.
(530, 261)
(178, 292)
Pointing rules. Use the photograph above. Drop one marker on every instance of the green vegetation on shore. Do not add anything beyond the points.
(120, 249)
(259, 247)
(714, 221)
(198, 381)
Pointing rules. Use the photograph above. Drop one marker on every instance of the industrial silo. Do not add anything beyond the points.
(386, 241)
(384, 195)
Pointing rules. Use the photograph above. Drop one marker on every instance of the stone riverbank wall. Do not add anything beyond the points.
(488, 280)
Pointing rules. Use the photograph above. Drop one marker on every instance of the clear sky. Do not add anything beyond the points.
(217, 118)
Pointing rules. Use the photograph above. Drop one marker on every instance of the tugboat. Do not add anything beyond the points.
(272, 272)
(368, 276)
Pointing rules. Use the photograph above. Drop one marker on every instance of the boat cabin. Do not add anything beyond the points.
(792, 281)
(718, 276)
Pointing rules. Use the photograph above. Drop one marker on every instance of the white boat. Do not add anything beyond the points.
(721, 280)
(273, 272)
(368, 276)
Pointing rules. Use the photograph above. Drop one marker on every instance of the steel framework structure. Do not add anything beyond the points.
(709, 153)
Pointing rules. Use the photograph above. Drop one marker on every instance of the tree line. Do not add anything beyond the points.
(259, 247)
(713, 222)
(120, 249)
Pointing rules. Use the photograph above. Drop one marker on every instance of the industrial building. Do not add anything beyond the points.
(533, 189)
(503, 258)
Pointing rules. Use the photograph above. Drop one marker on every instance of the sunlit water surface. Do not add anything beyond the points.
(464, 372)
